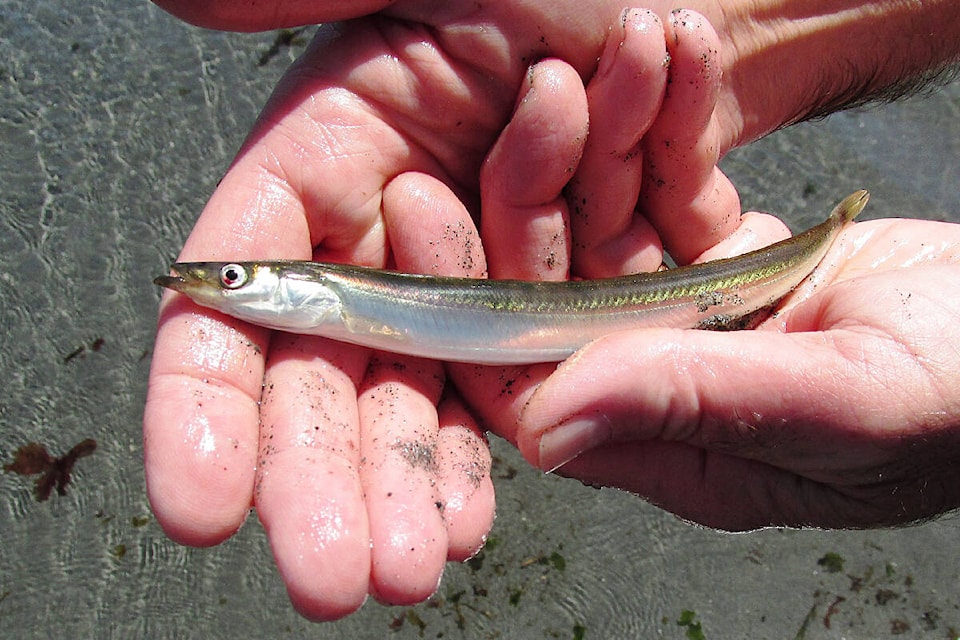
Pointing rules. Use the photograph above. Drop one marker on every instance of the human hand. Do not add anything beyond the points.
(843, 411)
(357, 142)
(679, 417)
(363, 483)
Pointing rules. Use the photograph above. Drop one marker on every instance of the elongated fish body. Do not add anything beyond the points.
(503, 321)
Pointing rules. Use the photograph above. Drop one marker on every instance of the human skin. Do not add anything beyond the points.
(363, 483)
(840, 412)
(369, 152)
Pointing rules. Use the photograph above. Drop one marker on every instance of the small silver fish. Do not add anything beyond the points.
(503, 321)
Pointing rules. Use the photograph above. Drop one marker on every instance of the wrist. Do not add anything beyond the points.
(791, 60)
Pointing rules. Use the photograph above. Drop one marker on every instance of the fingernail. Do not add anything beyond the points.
(565, 442)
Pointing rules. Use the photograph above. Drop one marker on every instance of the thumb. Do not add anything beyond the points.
(740, 393)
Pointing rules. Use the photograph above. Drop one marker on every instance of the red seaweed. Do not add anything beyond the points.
(33, 458)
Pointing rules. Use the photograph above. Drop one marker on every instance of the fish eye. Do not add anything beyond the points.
(233, 276)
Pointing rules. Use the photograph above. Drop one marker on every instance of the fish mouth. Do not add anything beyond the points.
(170, 282)
(196, 280)
(176, 281)
(185, 276)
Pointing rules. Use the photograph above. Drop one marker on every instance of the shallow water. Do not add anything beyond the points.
(115, 124)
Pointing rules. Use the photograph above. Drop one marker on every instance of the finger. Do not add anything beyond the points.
(200, 423)
(420, 211)
(624, 97)
(695, 387)
(686, 196)
(400, 474)
(465, 487)
(683, 410)
(524, 221)
(430, 230)
(308, 491)
(524, 218)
